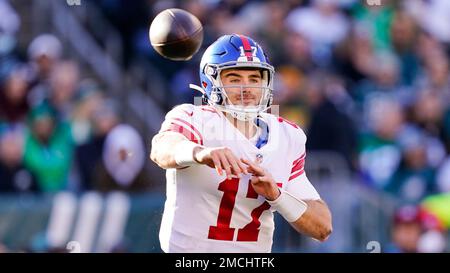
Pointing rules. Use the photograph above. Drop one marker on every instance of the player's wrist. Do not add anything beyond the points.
(196, 151)
(185, 153)
(273, 195)
(288, 206)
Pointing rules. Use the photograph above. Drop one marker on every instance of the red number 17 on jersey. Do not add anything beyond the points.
(223, 231)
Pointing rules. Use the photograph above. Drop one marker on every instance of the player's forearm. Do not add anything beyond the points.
(316, 221)
(163, 149)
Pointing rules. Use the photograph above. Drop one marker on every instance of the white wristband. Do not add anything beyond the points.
(288, 206)
(184, 153)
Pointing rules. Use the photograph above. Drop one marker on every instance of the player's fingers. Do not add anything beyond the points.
(217, 164)
(259, 171)
(253, 168)
(254, 180)
(242, 166)
(265, 179)
(249, 168)
(238, 166)
(245, 161)
(235, 168)
(225, 165)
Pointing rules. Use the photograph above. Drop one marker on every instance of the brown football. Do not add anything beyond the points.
(176, 34)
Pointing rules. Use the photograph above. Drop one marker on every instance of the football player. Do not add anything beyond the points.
(230, 165)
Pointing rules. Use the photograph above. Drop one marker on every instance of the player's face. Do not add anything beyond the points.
(243, 87)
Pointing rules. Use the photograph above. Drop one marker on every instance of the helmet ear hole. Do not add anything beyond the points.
(216, 97)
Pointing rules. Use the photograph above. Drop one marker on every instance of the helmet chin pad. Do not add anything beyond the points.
(238, 114)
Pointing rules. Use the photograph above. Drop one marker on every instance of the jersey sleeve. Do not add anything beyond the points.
(181, 119)
(298, 183)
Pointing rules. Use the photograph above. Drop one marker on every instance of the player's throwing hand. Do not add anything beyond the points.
(222, 159)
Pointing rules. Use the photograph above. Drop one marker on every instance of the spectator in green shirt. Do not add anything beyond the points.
(48, 149)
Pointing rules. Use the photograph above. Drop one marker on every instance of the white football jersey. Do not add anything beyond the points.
(205, 212)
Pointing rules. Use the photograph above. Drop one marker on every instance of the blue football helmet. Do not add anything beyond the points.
(235, 52)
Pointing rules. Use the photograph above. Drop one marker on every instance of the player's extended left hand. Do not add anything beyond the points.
(262, 181)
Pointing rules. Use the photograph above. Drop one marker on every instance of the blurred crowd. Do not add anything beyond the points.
(59, 130)
(369, 82)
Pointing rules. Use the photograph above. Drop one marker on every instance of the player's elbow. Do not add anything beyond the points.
(325, 233)
(155, 154)
(159, 158)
